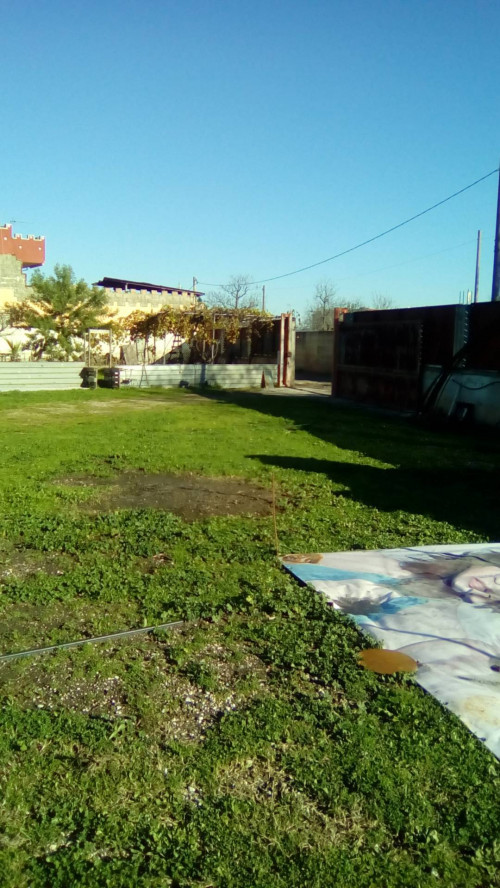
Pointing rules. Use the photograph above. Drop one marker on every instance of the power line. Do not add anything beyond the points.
(370, 239)
(407, 261)
(351, 277)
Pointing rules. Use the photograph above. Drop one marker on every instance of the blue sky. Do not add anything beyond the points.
(164, 140)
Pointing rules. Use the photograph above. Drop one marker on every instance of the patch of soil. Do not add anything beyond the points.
(190, 496)
(20, 564)
(141, 403)
(138, 681)
(39, 413)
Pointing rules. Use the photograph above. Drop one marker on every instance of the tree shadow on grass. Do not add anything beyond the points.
(466, 498)
(447, 474)
(382, 435)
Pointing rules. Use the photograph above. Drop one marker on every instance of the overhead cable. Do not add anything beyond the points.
(370, 240)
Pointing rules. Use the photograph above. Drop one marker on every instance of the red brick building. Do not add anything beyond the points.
(29, 250)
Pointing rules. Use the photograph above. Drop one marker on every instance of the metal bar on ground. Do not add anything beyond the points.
(81, 641)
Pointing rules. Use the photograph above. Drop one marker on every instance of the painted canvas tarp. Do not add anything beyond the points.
(438, 604)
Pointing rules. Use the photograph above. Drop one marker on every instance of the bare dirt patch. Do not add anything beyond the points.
(163, 401)
(190, 496)
(142, 680)
(39, 413)
(20, 564)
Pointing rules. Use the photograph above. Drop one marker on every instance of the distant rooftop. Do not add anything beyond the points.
(124, 284)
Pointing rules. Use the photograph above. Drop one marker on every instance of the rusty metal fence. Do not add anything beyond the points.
(380, 357)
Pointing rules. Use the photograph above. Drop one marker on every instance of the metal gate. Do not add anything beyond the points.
(379, 363)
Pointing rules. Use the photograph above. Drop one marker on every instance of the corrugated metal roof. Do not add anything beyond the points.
(125, 284)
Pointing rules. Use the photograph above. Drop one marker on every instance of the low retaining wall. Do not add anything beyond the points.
(228, 376)
(476, 392)
(40, 376)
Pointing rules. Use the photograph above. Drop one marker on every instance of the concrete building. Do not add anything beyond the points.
(16, 254)
(126, 296)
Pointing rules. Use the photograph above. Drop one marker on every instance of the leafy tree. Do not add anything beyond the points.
(238, 293)
(57, 313)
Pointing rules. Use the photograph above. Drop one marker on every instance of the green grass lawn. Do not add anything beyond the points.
(246, 748)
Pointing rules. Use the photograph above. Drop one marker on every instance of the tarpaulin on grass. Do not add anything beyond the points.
(438, 604)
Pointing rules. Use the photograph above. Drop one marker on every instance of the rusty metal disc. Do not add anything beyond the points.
(386, 662)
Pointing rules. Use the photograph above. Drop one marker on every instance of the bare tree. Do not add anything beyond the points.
(238, 293)
(319, 315)
(380, 301)
(352, 304)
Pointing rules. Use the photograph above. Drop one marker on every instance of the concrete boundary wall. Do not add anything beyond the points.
(40, 376)
(314, 351)
(229, 376)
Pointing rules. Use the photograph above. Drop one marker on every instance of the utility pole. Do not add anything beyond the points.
(495, 291)
(264, 298)
(478, 259)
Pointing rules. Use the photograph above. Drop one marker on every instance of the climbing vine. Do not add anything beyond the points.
(206, 330)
